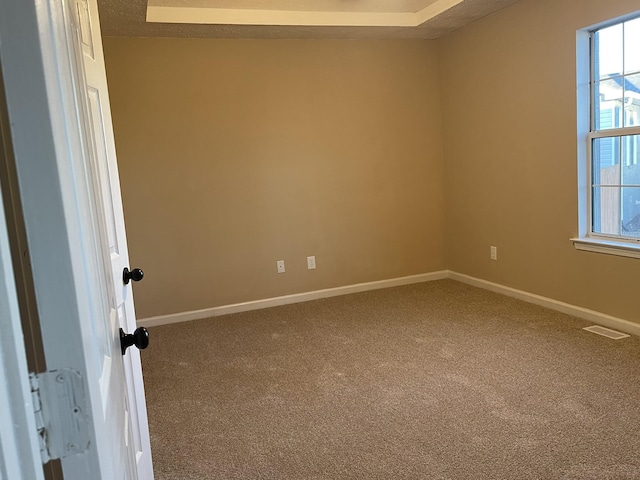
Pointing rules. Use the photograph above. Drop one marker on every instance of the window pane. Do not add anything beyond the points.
(631, 100)
(631, 212)
(608, 51)
(608, 104)
(606, 210)
(606, 161)
(615, 160)
(631, 50)
(629, 159)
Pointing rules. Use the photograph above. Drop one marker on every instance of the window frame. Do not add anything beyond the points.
(587, 239)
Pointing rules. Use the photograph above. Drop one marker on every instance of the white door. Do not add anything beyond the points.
(108, 187)
(63, 145)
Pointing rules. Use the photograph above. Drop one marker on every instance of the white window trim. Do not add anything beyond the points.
(587, 240)
(611, 247)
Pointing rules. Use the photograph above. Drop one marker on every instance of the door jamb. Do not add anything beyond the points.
(18, 246)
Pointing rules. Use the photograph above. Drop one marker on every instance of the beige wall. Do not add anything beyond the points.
(509, 103)
(236, 153)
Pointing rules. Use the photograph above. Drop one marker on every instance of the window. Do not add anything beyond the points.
(613, 139)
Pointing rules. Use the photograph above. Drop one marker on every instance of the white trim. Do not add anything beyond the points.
(583, 313)
(607, 246)
(233, 16)
(435, 9)
(614, 132)
(245, 16)
(587, 133)
(19, 450)
(289, 299)
(583, 103)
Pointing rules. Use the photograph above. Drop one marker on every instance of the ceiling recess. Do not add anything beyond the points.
(309, 19)
(363, 13)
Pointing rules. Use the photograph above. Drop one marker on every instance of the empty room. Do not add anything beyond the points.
(412, 182)
(377, 239)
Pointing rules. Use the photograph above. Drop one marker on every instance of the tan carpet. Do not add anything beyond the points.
(431, 381)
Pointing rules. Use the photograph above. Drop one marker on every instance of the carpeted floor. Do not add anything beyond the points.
(430, 381)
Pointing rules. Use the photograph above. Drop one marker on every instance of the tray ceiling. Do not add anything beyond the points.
(427, 19)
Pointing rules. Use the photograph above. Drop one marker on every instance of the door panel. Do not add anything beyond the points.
(121, 308)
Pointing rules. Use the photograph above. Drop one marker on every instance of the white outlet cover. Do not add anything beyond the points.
(280, 266)
(311, 262)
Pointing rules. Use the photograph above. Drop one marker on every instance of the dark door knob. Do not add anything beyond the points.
(136, 275)
(139, 338)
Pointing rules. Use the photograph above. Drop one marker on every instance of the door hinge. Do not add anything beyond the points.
(62, 417)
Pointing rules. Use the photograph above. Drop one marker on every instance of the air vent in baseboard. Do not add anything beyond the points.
(606, 332)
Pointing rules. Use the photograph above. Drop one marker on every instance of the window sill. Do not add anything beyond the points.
(608, 247)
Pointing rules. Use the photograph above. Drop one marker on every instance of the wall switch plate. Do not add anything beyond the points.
(494, 253)
(311, 262)
(280, 266)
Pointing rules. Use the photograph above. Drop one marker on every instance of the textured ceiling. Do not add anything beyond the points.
(128, 18)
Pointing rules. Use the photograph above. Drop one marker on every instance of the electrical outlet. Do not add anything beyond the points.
(311, 263)
(280, 266)
(494, 253)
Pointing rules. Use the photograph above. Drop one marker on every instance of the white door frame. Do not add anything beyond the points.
(39, 86)
(19, 452)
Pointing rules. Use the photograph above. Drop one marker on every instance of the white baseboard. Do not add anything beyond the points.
(288, 299)
(583, 313)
